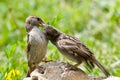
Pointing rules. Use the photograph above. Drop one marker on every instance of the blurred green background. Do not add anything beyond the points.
(94, 22)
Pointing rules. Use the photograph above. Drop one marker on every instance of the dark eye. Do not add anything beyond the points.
(38, 19)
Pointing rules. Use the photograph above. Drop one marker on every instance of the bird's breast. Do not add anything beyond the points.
(37, 37)
(38, 42)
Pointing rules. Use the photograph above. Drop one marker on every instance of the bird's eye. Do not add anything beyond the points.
(38, 19)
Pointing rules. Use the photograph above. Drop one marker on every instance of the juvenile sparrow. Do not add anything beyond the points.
(72, 48)
(36, 43)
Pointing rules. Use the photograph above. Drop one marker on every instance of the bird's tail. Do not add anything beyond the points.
(89, 65)
(101, 67)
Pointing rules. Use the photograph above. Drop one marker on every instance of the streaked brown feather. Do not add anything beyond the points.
(72, 48)
(74, 44)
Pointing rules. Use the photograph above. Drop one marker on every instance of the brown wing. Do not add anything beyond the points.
(71, 44)
(28, 45)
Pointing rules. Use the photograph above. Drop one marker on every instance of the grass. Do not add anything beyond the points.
(96, 23)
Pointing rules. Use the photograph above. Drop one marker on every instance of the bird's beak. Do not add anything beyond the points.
(40, 24)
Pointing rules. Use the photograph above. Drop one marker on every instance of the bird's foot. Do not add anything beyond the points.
(70, 68)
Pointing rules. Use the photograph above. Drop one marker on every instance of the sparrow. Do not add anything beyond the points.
(36, 43)
(72, 48)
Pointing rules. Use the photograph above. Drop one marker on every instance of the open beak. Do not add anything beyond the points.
(40, 24)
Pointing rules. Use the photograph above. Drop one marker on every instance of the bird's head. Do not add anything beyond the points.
(32, 21)
(51, 32)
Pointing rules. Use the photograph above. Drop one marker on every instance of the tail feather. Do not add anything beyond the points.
(89, 65)
(101, 67)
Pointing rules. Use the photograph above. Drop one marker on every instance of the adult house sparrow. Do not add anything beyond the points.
(72, 48)
(36, 43)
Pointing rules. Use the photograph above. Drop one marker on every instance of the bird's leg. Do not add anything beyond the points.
(32, 68)
(45, 60)
(77, 64)
(73, 67)
(28, 73)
